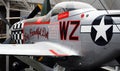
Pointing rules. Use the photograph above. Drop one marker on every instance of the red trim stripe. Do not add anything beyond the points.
(35, 23)
(63, 15)
(56, 54)
(38, 22)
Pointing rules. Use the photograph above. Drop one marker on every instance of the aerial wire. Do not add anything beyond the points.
(93, 2)
(103, 6)
(108, 13)
(112, 4)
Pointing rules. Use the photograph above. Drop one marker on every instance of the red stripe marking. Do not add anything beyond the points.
(38, 22)
(35, 23)
(56, 54)
(63, 15)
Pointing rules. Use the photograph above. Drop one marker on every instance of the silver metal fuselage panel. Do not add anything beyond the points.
(90, 52)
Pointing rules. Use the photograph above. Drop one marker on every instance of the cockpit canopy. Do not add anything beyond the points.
(73, 5)
(69, 6)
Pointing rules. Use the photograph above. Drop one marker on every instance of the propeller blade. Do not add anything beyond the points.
(35, 11)
(45, 8)
(4, 20)
(7, 41)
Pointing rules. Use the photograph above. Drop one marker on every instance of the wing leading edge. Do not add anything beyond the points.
(37, 49)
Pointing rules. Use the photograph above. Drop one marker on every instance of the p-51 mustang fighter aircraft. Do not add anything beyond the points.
(86, 37)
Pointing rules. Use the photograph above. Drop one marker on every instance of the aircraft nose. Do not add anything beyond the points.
(16, 31)
(11, 29)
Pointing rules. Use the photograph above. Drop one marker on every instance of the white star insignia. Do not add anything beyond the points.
(101, 30)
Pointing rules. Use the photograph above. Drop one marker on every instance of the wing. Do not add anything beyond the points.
(41, 49)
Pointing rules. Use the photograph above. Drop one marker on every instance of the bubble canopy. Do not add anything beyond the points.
(73, 5)
(68, 6)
